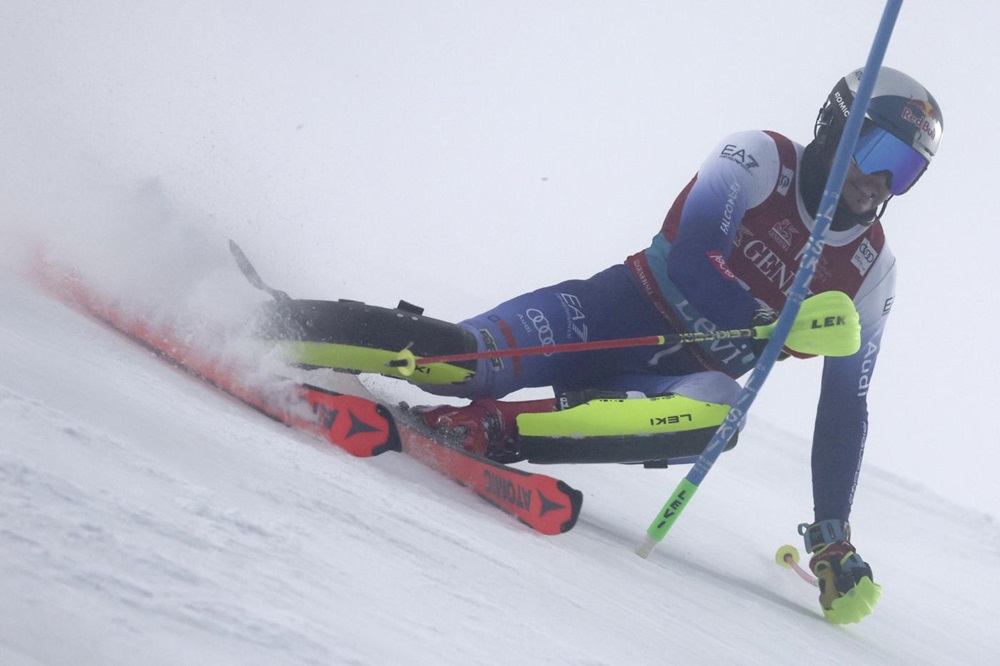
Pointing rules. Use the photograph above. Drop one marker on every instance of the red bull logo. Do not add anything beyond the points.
(921, 113)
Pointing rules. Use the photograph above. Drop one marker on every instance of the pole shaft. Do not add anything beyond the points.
(650, 340)
(828, 205)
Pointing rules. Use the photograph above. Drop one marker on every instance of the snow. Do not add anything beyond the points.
(384, 150)
(148, 518)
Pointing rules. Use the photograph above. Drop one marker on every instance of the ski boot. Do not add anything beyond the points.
(486, 428)
(350, 336)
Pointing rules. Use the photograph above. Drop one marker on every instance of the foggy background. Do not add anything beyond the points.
(458, 153)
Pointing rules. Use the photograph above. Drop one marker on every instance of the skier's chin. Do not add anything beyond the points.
(847, 217)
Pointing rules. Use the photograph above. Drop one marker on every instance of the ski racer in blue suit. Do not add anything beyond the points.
(725, 257)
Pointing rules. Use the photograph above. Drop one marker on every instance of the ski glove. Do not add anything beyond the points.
(848, 592)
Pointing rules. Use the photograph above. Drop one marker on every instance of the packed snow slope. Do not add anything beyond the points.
(455, 155)
(147, 518)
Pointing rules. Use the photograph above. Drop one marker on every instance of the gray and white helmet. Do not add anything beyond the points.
(901, 114)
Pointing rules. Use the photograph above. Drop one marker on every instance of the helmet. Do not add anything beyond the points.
(902, 127)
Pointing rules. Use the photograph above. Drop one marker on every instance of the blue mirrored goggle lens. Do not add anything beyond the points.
(878, 150)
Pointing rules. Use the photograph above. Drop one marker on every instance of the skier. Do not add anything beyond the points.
(724, 258)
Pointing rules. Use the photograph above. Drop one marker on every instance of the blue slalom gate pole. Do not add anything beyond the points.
(800, 287)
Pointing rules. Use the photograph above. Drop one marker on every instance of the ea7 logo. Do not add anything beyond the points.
(740, 156)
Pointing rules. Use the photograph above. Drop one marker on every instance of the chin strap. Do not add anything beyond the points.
(881, 211)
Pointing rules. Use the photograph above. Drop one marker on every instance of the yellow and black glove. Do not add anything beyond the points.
(848, 592)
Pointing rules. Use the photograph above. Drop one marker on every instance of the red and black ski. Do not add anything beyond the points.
(360, 426)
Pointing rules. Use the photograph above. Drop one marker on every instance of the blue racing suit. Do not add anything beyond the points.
(729, 245)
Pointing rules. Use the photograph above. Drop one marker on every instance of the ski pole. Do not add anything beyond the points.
(252, 275)
(827, 325)
(788, 557)
(407, 359)
(686, 489)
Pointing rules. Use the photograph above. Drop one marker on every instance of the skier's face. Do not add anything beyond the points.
(863, 193)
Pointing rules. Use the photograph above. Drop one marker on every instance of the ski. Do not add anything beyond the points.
(356, 424)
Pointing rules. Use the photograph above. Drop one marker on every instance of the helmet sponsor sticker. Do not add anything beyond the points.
(841, 103)
(920, 113)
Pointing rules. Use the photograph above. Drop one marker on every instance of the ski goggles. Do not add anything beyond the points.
(878, 150)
